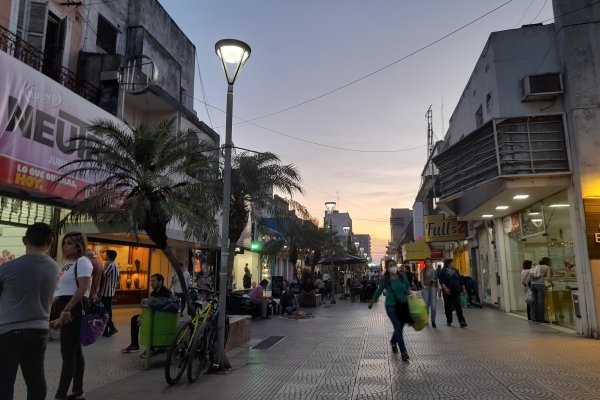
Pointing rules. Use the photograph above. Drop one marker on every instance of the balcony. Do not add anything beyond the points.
(23, 51)
(502, 156)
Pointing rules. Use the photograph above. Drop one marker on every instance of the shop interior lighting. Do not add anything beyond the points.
(558, 205)
(520, 196)
(534, 213)
(487, 216)
(502, 208)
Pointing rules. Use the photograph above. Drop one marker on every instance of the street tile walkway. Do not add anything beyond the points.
(343, 353)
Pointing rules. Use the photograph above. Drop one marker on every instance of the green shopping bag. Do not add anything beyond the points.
(418, 312)
(463, 300)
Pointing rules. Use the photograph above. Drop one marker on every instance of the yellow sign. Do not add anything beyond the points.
(418, 250)
(439, 229)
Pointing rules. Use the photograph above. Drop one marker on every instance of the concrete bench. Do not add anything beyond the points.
(239, 331)
(315, 300)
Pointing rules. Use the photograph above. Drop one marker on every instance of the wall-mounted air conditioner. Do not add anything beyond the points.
(541, 87)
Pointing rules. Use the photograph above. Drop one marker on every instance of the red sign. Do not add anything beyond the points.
(437, 254)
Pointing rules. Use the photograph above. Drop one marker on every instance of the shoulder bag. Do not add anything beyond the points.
(93, 318)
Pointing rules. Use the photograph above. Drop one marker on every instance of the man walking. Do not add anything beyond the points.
(110, 283)
(27, 285)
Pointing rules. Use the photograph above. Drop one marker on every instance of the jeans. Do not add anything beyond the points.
(453, 300)
(135, 331)
(110, 326)
(24, 347)
(73, 363)
(398, 325)
(538, 308)
(430, 297)
(262, 303)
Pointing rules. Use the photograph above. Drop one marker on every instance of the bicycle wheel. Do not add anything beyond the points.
(178, 354)
(198, 361)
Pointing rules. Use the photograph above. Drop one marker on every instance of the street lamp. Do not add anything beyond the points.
(330, 206)
(233, 55)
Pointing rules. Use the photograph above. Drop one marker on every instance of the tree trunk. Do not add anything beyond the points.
(230, 262)
(179, 271)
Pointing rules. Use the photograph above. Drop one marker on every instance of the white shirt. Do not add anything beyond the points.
(66, 280)
(177, 285)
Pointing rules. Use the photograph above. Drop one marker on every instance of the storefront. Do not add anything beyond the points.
(543, 230)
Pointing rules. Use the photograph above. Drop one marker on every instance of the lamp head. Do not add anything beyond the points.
(233, 55)
(346, 229)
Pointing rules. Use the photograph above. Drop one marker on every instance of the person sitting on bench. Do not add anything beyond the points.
(160, 291)
(288, 300)
(258, 298)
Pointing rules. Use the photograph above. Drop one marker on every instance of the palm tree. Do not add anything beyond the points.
(253, 179)
(146, 178)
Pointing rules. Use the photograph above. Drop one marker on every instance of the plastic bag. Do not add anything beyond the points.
(529, 296)
(463, 300)
(161, 304)
(418, 312)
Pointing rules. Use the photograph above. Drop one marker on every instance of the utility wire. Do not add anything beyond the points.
(208, 112)
(355, 81)
(571, 12)
(310, 141)
(539, 12)
(525, 13)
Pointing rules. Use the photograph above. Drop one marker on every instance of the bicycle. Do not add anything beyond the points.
(193, 344)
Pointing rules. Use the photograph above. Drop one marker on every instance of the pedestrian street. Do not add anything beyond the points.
(343, 353)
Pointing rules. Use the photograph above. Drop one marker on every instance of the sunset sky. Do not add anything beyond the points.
(314, 51)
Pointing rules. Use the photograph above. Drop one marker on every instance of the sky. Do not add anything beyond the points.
(319, 50)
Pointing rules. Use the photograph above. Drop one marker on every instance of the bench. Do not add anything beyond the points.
(315, 300)
(239, 331)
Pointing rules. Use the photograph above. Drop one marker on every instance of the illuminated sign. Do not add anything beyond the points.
(440, 229)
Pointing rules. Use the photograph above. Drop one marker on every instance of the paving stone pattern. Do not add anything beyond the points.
(344, 353)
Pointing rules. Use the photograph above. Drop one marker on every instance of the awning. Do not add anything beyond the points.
(414, 251)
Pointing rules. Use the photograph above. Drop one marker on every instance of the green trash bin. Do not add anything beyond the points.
(158, 328)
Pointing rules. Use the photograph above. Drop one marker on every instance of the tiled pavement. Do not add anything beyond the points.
(343, 353)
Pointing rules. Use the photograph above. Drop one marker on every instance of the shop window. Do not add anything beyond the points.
(479, 117)
(106, 37)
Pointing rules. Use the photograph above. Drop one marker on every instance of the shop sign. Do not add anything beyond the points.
(38, 119)
(592, 226)
(512, 223)
(437, 254)
(440, 229)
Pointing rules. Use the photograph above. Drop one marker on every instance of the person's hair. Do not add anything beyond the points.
(427, 259)
(447, 262)
(388, 262)
(527, 264)
(39, 234)
(264, 282)
(79, 239)
(159, 278)
(111, 255)
(545, 261)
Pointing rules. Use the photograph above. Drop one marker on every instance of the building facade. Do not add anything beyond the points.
(59, 66)
(518, 165)
(400, 219)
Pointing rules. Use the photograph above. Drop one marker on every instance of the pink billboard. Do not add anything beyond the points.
(38, 117)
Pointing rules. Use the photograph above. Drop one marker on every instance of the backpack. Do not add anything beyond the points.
(535, 272)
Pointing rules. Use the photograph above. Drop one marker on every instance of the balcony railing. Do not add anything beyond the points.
(502, 148)
(31, 56)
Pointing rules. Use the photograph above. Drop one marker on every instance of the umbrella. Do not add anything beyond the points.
(343, 259)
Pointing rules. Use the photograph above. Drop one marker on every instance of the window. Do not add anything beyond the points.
(106, 36)
(488, 102)
(478, 117)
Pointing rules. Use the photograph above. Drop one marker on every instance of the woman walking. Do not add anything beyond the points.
(396, 303)
(73, 288)
(429, 280)
(452, 286)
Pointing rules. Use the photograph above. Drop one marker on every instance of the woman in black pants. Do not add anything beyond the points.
(73, 288)
(452, 286)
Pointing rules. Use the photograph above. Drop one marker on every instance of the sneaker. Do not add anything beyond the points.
(433, 325)
(394, 348)
(449, 323)
(463, 324)
(76, 396)
(130, 349)
(144, 354)
(405, 357)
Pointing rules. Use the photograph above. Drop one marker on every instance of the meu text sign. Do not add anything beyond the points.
(439, 229)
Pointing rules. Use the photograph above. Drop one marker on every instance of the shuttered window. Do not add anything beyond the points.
(106, 37)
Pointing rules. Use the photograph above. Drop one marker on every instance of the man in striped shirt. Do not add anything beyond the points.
(110, 283)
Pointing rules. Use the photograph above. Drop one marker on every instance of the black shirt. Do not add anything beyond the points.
(452, 280)
(161, 292)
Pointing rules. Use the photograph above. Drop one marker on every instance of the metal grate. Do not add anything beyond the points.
(268, 342)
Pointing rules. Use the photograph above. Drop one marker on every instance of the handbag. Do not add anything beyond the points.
(529, 296)
(93, 318)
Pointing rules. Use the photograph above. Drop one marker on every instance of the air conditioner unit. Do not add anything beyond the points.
(541, 87)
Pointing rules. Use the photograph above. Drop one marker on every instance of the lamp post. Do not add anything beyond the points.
(329, 207)
(346, 230)
(233, 55)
